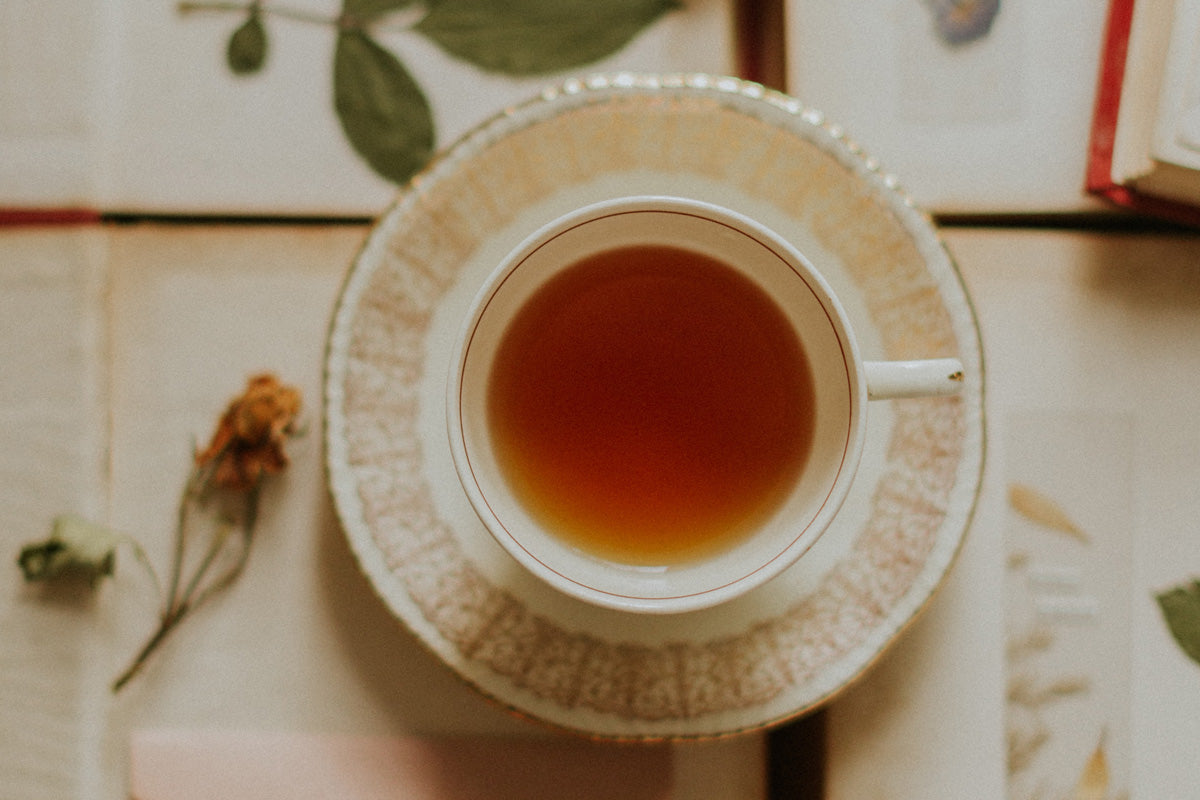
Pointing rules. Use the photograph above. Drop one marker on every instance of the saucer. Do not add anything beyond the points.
(785, 647)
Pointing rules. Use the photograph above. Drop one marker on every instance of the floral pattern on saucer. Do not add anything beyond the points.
(716, 136)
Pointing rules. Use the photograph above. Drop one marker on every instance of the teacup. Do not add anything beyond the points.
(657, 404)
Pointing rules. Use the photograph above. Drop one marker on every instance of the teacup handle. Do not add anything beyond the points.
(935, 377)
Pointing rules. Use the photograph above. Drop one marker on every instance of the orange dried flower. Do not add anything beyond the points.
(211, 549)
(250, 437)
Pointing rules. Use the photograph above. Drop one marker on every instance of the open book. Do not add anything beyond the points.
(977, 106)
(293, 107)
(1145, 147)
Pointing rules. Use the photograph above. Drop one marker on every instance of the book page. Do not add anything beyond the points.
(1149, 37)
(47, 128)
(188, 135)
(1177, 123)
(990, 119)
(1068, 599)
(152, 107)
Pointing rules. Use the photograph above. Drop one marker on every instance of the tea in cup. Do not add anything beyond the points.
(657, 404)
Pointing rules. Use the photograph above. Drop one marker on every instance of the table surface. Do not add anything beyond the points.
(121, 343)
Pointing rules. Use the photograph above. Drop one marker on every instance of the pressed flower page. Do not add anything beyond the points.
(1069, 526)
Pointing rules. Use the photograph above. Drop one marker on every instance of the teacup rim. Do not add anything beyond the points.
(760, 571)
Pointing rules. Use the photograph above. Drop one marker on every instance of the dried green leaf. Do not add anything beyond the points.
(1037, 507)
(381, 108)
(76, 548)
(247, 49)
(366, 10)
(1181, 608)
(531, 37)
(1093, 783)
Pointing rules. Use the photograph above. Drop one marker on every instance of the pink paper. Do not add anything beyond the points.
(201, 765)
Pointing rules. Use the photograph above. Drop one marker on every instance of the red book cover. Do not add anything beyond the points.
(1104, 126)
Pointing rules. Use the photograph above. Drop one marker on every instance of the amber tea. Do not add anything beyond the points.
(651, 405)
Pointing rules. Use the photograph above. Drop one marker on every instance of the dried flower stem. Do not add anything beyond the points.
(165, 626)
(191, 494)
(140, 555)
(397, 22)
(296, 14)
(178, 602)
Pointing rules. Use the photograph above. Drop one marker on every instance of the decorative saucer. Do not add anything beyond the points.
(770, 655)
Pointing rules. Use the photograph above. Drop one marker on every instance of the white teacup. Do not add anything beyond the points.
(657, 404)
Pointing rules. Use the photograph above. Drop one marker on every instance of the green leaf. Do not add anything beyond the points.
(76, 548)
(530, 37)
(366, 10)
(1181, 609)
(382, 110)
(247, 50)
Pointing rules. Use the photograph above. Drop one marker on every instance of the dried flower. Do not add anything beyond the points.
(247, 446)
(1024, 690)
(1093, 783)
(1026, 737)
(249, 441)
